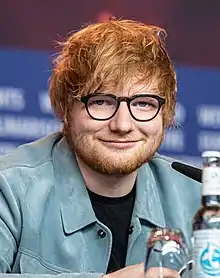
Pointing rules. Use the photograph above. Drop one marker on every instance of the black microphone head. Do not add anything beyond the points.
(189, 171)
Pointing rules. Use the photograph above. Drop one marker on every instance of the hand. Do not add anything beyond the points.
(137, 271)
(154, 272)
(133, 271)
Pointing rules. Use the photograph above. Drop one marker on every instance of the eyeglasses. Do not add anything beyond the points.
(142, 107)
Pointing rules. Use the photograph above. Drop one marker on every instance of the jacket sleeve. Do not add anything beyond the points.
(10, 225)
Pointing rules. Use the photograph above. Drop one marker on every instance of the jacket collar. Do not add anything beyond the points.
(76, 209)
(148, 204)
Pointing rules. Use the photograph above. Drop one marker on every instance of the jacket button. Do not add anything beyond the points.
(101, 233)
(131, 229)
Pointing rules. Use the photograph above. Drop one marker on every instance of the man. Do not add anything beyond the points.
(83, 202)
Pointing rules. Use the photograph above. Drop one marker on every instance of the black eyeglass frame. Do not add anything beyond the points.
(128, 100)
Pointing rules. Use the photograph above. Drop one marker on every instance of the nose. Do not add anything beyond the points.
(122, 122)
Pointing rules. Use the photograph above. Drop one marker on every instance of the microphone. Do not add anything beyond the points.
(189, 171)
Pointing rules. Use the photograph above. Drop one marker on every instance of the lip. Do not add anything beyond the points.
(120, 144)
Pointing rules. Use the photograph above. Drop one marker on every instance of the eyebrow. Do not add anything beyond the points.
(154, 92)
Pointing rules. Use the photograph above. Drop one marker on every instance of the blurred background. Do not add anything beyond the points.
(29, 30)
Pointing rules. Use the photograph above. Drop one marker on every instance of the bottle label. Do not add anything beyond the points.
(211, 181)
(206, 253)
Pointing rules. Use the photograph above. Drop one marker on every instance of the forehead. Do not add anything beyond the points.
(132, 88)
(138, 88)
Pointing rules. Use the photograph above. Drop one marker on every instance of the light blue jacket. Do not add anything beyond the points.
(48, 226)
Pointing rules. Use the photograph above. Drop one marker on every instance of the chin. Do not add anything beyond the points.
(112, 169)
(118, 162)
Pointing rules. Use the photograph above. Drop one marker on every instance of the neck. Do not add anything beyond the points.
(107, 185)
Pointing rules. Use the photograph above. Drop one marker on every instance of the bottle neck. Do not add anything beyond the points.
(211, 200)
(211, 182)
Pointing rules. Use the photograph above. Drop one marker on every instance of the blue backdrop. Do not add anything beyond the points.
(25, 112)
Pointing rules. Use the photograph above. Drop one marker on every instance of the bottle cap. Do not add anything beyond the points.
(211, 154)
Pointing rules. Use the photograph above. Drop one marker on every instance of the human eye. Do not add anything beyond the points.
(142, 103)
(101, 101)
(145, 103)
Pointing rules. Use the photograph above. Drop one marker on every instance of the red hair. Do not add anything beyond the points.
(106, 56)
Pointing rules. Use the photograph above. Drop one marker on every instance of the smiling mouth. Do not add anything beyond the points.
(120, 141)
(120, 144)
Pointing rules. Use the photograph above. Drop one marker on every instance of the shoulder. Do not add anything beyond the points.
(27, 165)
(162, 167)
(30, 155)
(173, 186)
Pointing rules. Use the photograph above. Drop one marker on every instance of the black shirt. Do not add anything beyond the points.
(115, 213)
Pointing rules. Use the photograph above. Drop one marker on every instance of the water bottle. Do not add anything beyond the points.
(206, 223)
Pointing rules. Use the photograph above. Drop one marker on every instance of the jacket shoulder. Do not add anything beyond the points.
(163, 165)
(27, 171)
(174, 186)
(30, 154)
